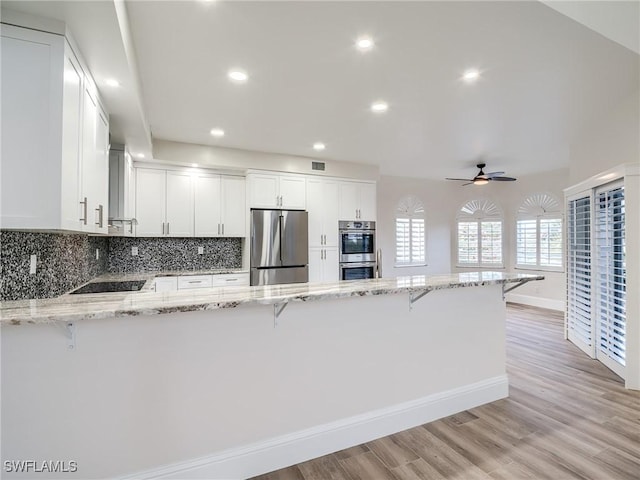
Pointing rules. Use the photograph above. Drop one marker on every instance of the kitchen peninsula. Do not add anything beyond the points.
(234, 382)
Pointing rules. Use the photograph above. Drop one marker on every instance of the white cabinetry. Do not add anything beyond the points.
(121, 183)
(323, 208)
(268, 190)
(357, 201)
(187, 282)
(220, 206)
(52, 136)
(323, 264)
(164, 203)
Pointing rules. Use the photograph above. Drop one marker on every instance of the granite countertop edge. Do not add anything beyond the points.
(73, 308)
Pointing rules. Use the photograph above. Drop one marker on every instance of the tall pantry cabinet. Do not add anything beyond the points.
(55, 136)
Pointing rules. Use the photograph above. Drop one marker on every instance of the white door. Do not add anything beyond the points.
(88, 163)
(316, 264)
(179, 205)
(71, 150)
(263, 191)
(207, 208)
(292, 192)
(331, 271)
(331, 213)
(316, 207)
(101, 174)
(234, 207)
(579, 323)
(367, 199)
(150, 202)
(610, 290)
(348, 198)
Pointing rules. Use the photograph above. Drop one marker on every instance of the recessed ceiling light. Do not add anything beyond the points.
(364, 44)
(471, 75)
(238, 76)
(217, 132)
(319, 146)
(379, 107)
(112, 82)
(140, 155)
(194, 165)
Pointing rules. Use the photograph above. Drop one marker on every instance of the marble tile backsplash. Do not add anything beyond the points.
(64, 261)
(156, 254)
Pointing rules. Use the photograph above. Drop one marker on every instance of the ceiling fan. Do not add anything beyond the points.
(483, 178)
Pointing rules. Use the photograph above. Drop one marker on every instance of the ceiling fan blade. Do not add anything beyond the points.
(460, 179)
(503, 179)
(493, 174)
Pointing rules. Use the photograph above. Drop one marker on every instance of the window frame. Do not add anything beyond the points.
(410, 208)
(544, 215)
(479, 217)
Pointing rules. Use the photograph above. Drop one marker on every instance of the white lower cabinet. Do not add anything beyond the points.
(187, 282)
(166, 284)
(323, 265)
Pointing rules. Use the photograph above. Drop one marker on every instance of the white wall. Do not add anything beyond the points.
(237, 159)
(611, 140)
(442, 201)
(436, 197)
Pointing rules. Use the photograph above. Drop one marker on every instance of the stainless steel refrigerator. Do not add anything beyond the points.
(279, 247)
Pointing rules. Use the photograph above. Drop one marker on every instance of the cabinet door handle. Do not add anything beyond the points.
(218, 229)
(168, 228)
(99, 211)
(163, 228)
(223, 229)
(84, 210)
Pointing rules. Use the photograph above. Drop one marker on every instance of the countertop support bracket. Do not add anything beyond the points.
(506, 290)
(415, 296)
(278, 308)
(70, 332)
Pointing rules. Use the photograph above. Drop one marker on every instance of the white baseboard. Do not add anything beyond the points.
(541, 302)
(282, 451)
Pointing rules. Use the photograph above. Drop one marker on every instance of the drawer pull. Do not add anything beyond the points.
(232, 280)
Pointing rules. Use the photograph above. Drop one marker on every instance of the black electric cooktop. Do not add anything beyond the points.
(103, 287)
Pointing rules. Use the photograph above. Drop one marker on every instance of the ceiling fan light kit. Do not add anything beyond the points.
(483, 178)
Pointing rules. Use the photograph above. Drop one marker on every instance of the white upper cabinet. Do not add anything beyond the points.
(44, 149)
(268, 190)
(164, 203)
(234, 206)
(357, 201)
(323, 208)
(151, 211)
(220, 206)
(179, 221)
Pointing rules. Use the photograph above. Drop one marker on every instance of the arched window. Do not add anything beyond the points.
(479, 234)
(539, 233)
(410, 232)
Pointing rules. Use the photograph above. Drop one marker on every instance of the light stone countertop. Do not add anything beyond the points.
(121, 304)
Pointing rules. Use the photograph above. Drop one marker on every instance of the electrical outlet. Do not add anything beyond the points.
(33, 264)
(134, 251)
(200, 250)
(97, 254)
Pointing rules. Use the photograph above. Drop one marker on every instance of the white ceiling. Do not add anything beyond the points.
(543, 77)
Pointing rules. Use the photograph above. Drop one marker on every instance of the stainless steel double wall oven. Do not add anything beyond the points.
(357, 240)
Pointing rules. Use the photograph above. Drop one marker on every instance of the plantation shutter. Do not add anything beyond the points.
(550, 242)
(579, 323)
(417, 240)
(611, 285)
(403, 239)
(526, 241)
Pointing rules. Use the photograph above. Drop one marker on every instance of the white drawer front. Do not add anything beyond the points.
(194, 281)
(166, 284)
(230, 279)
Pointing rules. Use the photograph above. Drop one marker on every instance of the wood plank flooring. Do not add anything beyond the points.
(567, 417)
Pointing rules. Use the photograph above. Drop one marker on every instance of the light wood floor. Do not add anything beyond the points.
(566, 417)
